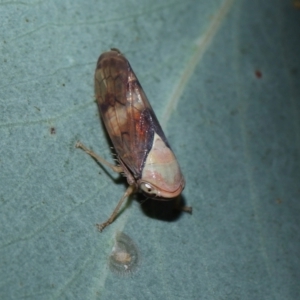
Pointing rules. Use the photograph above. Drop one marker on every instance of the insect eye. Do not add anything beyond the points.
(148, 189)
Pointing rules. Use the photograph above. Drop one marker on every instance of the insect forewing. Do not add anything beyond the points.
(125, 110)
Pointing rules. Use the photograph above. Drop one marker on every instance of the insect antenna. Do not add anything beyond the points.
(144, 200)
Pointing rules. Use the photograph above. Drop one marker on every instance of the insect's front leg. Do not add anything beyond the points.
(179, 207)
(117, 169)
(130, 190)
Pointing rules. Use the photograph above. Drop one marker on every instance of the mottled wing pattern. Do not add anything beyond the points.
(125, 110)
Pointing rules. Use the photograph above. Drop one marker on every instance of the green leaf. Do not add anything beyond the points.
(223, 78)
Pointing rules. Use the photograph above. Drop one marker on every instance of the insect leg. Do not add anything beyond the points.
(98, 158)
(178, 206)
(130, 190)
(187, 209)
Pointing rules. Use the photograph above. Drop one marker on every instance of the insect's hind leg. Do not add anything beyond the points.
(130, 190)
(98, 158)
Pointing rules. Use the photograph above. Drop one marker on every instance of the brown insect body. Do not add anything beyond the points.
(143, 151)
(142, 148)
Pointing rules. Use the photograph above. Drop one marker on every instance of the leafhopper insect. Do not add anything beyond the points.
(143, 152)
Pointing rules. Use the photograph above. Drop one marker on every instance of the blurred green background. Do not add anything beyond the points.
(224, 79)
